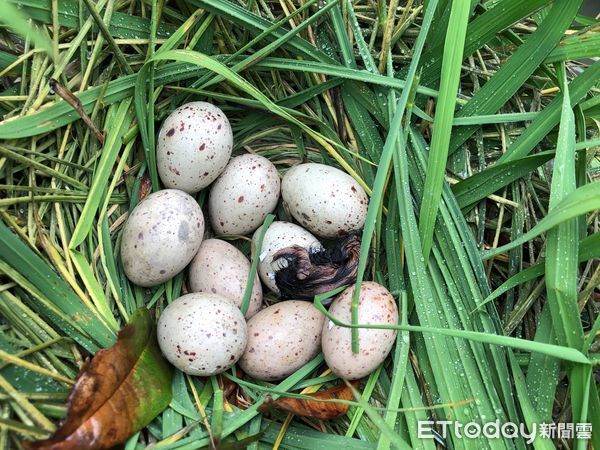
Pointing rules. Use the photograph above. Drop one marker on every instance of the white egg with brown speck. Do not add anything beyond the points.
(376, 306)
(220, 268)
(278, 236)
(245, 193)
(202, 334)
(324, 200)
(281, 339)
(161, 236)
(194, 146)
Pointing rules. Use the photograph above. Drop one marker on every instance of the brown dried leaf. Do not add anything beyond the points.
(118, 393)
(317, 408)
(145, 187)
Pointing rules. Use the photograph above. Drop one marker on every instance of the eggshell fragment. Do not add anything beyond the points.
(325, 200)
(194, 146)
(220, 268)
(279, 235)
(240, 199)
(281, 339)
(202, 334)
(161, 236)
(375, 306)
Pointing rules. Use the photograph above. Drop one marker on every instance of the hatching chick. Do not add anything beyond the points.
(302, 274)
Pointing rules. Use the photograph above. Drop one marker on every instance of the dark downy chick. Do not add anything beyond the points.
(301, 274)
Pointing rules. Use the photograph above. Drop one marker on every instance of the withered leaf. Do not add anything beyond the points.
(145, 187)
(316, 407)
(118, 393)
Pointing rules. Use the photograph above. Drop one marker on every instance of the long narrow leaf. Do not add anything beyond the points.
(442, 124)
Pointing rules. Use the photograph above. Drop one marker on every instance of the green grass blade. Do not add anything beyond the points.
(564, 353)
(260, 54)
(6, 60)
(581, 201)
(482, 29)
(477, 187)
(123, 116)
(442, 124)
(240, 16)
(543, 370)
(400, 366)
(16, 254)
(42, 168)
(561, 256)
(305, 438)
(387, 431)
(550, 116)
(589, 248)
(580, 46)
(13, 18)
(253, 267)
(61, 113)
(122, 25)
(529, 413)
(384, 167)
(108, 36)
(512, 74)
(594, 413)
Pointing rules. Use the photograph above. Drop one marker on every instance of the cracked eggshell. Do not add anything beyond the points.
(220, 268)
(323, 199)
(279, 235)
(375, 306)
(202, 334)
(161, 236)
(240, 199)
(281, 339)
(194, 146)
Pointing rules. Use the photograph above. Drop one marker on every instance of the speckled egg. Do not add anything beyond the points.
(281, 339)
(202, 334)
(375, 306)
(194, 146)
(161, 236)
(279, 235)
(325, 200)
(220, 268)
(240, 199)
